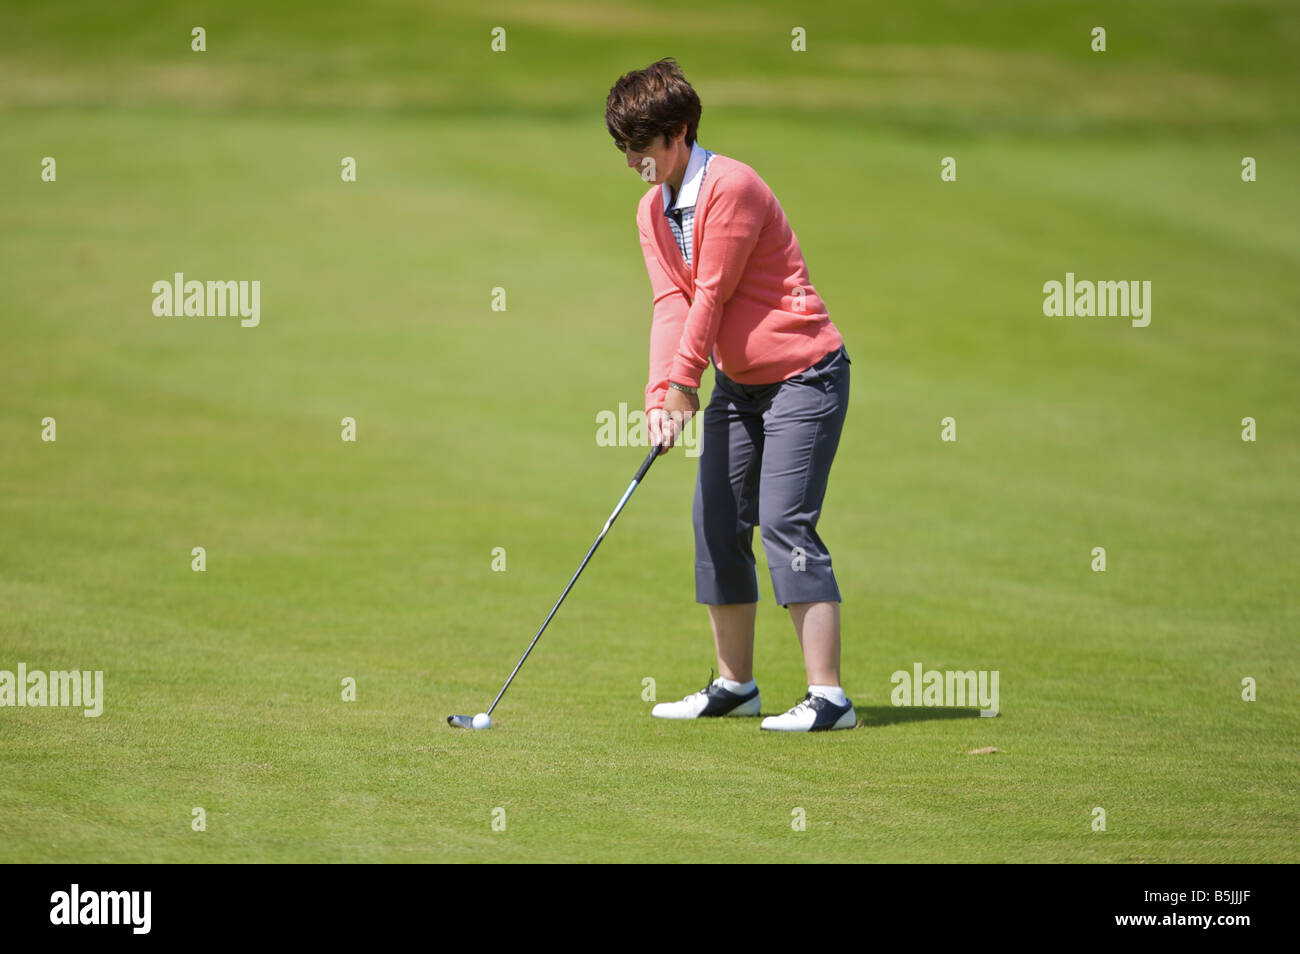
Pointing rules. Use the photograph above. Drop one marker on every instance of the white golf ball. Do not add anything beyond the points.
(482, 721)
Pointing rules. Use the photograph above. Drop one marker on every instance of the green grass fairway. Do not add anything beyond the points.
(476, 429)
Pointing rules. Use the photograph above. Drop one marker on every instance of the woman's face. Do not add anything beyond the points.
(658, 160)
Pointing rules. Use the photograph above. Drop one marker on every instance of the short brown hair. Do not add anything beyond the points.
(646, 103)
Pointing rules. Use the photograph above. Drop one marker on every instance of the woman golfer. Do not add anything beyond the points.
(730, 284)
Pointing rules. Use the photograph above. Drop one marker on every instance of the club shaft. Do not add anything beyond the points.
(645, 466)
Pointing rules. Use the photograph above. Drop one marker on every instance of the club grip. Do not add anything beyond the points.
(645, 464)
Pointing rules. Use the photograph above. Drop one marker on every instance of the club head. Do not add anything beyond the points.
(460, 722)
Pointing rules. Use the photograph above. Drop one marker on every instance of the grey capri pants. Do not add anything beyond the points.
(766, 458)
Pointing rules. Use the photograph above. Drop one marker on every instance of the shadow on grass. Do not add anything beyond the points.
(892, 715)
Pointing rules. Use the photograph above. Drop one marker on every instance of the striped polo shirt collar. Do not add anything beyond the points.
(691, 180)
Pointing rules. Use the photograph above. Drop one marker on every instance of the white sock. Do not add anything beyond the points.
(739, 688)
(834, 693)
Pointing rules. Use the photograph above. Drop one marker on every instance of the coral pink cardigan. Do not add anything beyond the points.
(745, 299)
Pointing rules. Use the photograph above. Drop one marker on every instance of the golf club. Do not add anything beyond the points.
(484, 719)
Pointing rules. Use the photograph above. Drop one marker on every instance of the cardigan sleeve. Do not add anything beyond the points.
(738, 208)
(670, 307)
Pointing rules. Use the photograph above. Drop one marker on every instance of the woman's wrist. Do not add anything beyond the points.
(686, 389)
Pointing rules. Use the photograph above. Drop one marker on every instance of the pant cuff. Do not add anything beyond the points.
(814, 584)
(713, 589)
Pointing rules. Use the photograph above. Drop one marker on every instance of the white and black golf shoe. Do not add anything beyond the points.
(711, 701)
(813, 714)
